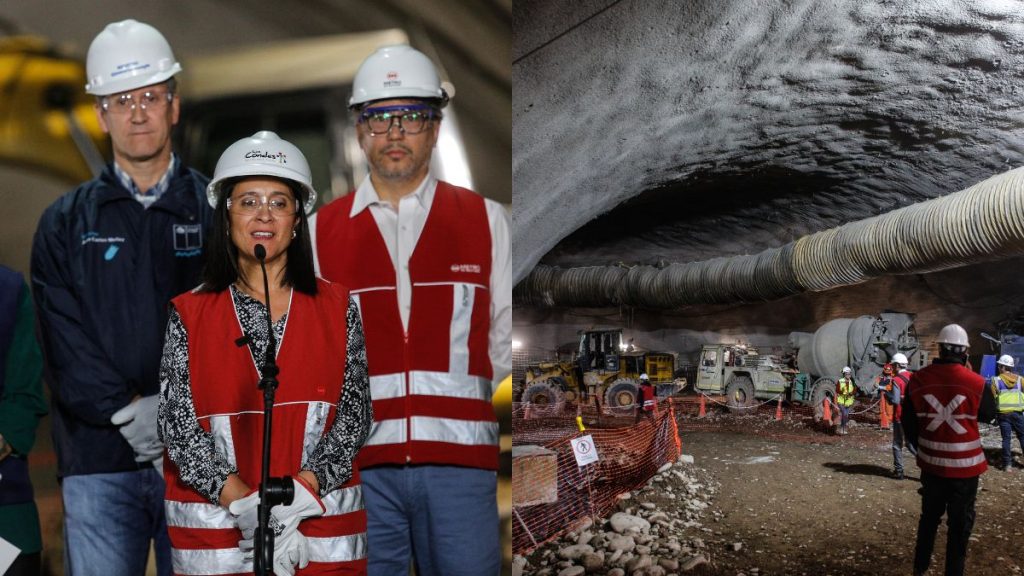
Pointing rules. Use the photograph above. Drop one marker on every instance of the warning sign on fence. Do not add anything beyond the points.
(584, 450)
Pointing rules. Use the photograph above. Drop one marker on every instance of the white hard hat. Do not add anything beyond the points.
(127, 55)
(899, 358)
(953, 334)
(847, 369)
(263, 154)
(1005, 360)
(644, 376)
(398, 71)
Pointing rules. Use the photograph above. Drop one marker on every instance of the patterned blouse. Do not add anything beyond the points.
(192, 448)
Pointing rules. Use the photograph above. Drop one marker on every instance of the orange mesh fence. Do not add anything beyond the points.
(630, 453)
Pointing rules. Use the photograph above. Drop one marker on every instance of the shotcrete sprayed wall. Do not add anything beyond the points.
(758, 122)
(975, 297)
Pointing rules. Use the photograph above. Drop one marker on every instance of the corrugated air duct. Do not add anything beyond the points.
(983, 222)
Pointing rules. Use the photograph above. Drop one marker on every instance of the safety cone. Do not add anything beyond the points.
(827, 412)
(703, 410)
(778, 409)
(884, 422)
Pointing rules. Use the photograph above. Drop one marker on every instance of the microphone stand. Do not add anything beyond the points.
(273, 491)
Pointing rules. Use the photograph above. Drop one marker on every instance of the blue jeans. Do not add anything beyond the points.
(844, 415)
(897, 446)
(443, 517)
(109, 521)
(1009, 424)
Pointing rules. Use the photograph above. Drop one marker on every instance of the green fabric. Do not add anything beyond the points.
(21, 407)
(19, 525)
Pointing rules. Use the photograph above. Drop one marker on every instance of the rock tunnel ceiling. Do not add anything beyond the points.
(647, 132)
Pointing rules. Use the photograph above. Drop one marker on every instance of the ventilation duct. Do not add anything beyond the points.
(983, 222)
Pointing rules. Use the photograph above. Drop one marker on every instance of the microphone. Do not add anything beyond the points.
(269, 362)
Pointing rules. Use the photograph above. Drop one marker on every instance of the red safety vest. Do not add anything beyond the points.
(223, 376)
(647, 395)
(431, 384)
(900, 380)
(946, 398)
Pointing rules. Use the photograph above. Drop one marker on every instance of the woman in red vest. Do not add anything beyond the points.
(211, 412)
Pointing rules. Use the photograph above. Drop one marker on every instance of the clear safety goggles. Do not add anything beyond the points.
(251, 203)
(151, 100)
(411, 118)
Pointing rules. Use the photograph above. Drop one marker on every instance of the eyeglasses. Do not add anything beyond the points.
(412, 119)
(250, 204)
(154, 100)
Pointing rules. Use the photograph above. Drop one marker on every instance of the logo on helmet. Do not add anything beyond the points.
(391, 80)
(280, 157)
(132, 66)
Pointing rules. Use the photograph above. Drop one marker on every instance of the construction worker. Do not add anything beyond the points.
(845, 390)
(884, 386)
(1007, 389)
(22, 404)
(428, 263)
(647, 400)
(898, 386)
(940, 416)
(106, 259)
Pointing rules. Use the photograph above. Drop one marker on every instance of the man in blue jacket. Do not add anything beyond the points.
(106, 259)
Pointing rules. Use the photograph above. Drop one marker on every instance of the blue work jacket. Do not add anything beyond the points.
(103, 271)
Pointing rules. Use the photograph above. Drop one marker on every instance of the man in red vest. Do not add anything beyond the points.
(427, 264)
(940, 417)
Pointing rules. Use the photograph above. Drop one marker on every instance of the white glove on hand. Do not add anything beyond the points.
(290, 545)
(290, 551)
(138, 425)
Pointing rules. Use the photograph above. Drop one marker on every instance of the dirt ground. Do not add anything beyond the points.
(801, 502)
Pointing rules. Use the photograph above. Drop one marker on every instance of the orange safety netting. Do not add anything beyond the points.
(630, 453)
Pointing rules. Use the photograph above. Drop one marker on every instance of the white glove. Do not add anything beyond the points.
(284, 521)
(138, 425)
(289, 552)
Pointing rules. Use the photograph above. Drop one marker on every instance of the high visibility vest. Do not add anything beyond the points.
(1010, 399)
(430, 384)
(204, 539)
(945, 399)
(844, 395)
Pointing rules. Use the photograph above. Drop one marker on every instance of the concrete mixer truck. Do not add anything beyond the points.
(807, 374)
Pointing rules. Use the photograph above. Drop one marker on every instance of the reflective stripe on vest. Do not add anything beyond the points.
(1010, 399)
(427, 429)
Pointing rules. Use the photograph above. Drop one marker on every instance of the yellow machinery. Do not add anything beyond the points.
(47, 120)
(604, 370)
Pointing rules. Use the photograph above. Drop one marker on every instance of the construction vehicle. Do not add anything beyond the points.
(807, 373)
(604, 369)
(742, 374)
